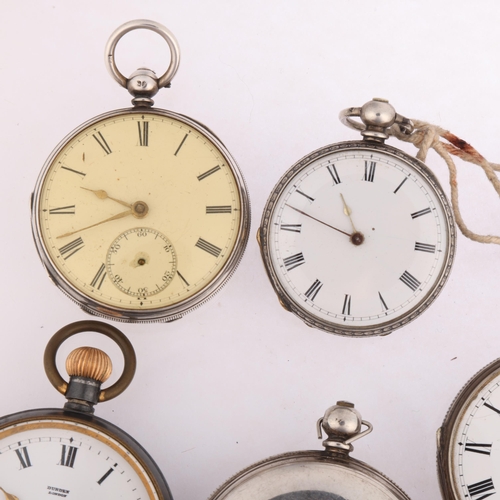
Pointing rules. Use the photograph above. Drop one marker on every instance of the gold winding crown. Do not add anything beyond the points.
(89, 362)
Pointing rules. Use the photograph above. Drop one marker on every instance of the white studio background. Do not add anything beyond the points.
(240, 379)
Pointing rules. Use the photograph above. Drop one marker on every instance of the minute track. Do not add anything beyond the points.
(388, 264)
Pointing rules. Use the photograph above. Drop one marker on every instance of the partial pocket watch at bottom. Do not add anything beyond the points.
(469, 440)
(70, 453)
(330, 474)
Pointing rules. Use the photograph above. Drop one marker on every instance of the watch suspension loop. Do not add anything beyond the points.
(101, 367)
(376, 118)
(143, 84)
(342, 424)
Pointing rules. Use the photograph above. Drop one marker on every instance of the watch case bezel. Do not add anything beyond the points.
(384, 328)
(165, 313)
(102, 426)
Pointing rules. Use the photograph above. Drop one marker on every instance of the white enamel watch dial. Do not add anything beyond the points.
(357, 238)
(59, 457)
(469, 439)
(140, 214)
(316, 475)
(70, 453)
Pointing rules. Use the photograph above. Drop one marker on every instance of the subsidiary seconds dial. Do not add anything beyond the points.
(357, 238)
(141, 262)
(144, 182)
(140, 214)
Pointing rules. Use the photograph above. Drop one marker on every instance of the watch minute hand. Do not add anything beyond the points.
(115, 217)
(317, 220)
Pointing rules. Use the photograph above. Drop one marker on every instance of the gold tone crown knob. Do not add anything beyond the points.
(89, 362)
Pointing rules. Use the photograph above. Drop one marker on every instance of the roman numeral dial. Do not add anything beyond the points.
(357, 238)
(469, 439)
(50, 454)
(124, 178)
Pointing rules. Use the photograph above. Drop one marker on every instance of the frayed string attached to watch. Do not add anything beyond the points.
(426, 136)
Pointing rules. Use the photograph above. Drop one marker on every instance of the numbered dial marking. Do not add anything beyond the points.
(62, 458)
(141, 262)
(469, 446)
(375, 230)
(128, 169)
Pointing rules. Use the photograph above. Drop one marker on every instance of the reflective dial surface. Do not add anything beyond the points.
(137, 181)
(357, 239)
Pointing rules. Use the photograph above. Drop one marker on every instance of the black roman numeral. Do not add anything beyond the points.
(370, 167)
(294, 228)
(313, 290)
(182, 278)
(409, 280)
(68, 456)
(208, 247)
(102, 142)
(425, 247)
(71, 248)
(347, 305)
(496, 410)
(108, 473)
(219, 209)
(481, 448)
(69, 210)
(24, 458)
(143, 133)
(481, 489)
(181, 144)
(208, 172)
(382, 302)
(74, 171)
(414, 215)
(333, 172)
(305, 195)
(294, 261)
(99, 277)
(397, 189)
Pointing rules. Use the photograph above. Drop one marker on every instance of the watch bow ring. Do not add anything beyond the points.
(140, 214)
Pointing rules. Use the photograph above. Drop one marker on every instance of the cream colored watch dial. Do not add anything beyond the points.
(138, 211)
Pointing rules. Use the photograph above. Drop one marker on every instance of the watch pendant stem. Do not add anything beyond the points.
(143, 85)
(342, 424)
(88, 368)
(377, 117)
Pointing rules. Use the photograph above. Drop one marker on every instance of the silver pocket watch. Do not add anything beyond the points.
(140, 214)
(330, 474)
(358, 237)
